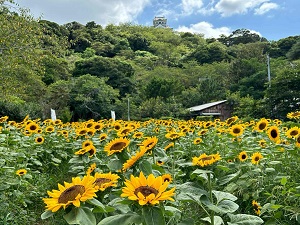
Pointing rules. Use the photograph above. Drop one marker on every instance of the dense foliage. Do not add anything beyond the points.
(161, 72)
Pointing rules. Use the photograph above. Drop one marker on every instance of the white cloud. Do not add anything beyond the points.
(266, 7)
(191, 6)
(230, 7)
(102, 12)
(205, 28)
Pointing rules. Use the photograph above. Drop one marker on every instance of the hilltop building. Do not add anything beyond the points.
(160, 21)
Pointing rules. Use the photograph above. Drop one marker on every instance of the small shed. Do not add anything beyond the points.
(219, 109)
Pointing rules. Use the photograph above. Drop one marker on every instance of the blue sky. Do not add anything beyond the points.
(272, 19)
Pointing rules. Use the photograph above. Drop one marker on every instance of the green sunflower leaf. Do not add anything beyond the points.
(124, 219)
(153, 216)
(81, 216)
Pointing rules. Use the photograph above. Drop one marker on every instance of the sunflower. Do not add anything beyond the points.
(205, 160)
(243, 156)
(150, 190)
(102, 136)
(39, 140)
(86, 143)
(202, 132)
(293, 115)
(262, 143)
(124, 131)
(3, 119)
(116, 145)
(91, 168)
(298, 141)
(261, 125)
(105, 180)
(97, 126)
(174, 135)
(273, 133)
(167, 178)
(117, 126)
(21, 172)
(149, 143)
(50, 129)
(79, 190)
(170, 145)
(256, 207)
(231, 120)
(197, 141)
(81, 131)
(32, 127)
(91, 149)
(130, 162)
(160, 163)
(236, 130)
(292, 132)
(138, 134)
(256, 157)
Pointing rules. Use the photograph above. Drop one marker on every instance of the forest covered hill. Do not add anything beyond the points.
(85, 71)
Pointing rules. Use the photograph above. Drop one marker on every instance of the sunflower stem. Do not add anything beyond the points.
(212, 216)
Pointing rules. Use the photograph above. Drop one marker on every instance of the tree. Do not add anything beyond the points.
(284, 91)
(118, 72)
(294, 52)
(91, 97)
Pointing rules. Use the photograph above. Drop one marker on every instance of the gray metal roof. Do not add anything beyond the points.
(205, 106)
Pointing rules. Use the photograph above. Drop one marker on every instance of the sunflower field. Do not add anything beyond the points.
(154, 172)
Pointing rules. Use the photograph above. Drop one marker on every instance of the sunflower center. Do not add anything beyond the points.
(100, 181)
(206, 158)
(294, 133)
(32, 127)
(236, 130)
(244, 156)
(274, 134)
(71, 193)
(256, 158)
(118, 146)
(145, 190)
(262, 126)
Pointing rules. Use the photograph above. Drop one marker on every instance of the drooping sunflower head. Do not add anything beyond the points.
(256, 157)
(293, 115)
(102, 136)
(105, 180)
(256, 207)
(3, 119)
(205, 160)
(116, 145)
(79, 190)
(91, 168)
(243, 156)
(170, 145)
(298, 141)
(231, 120)
(174, 135)
(149, 143)
(21, 172)
(150, 190)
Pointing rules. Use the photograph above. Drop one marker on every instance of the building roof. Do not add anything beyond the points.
(205, 106)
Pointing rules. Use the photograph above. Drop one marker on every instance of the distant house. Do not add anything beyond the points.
(220, 109)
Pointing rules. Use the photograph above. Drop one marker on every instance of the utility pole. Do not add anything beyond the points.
(128, 110)
(269, 72)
